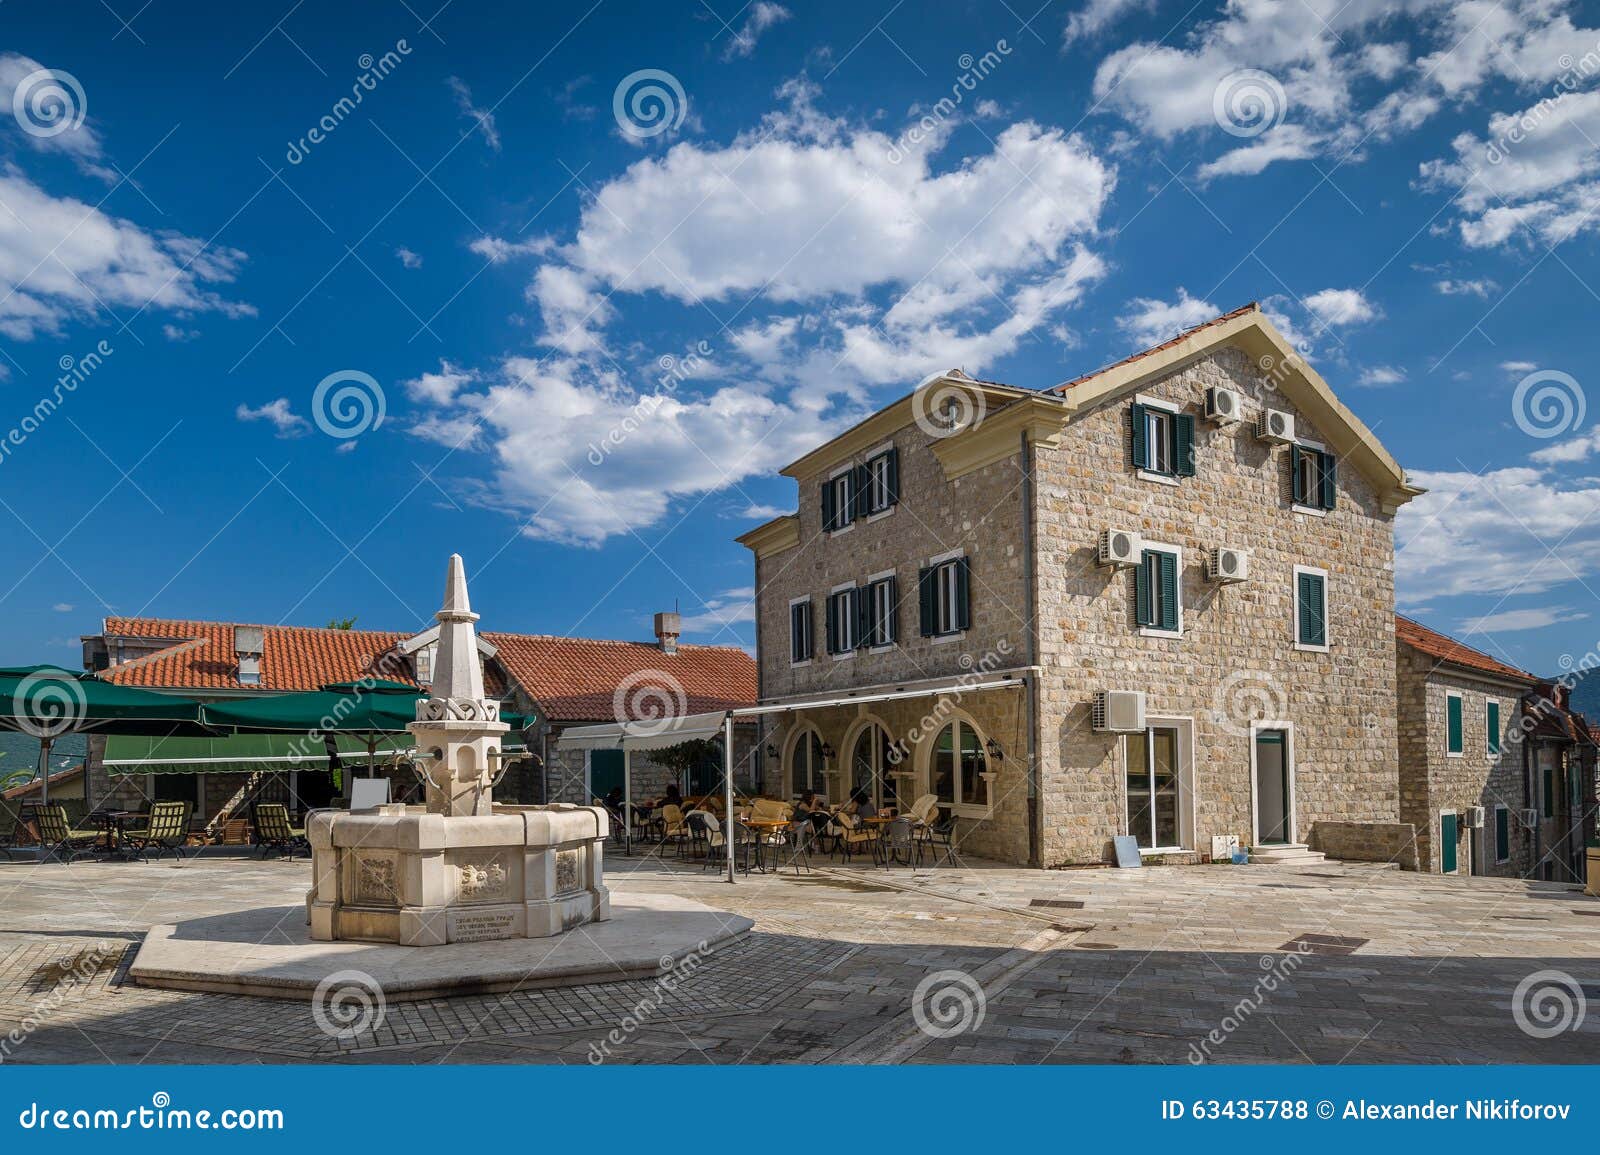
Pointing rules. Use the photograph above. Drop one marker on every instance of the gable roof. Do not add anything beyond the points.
(1451, 652)
(571, 679)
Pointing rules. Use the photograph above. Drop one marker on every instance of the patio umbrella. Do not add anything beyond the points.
(49, 702)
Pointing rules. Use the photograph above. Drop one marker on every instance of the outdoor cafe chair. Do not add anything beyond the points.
(856, 837)
(673, 827)
(166, 828)
(937, 836)
(13, 827)
(273, 831)
(925, 809)
(803, 836)
(744, 842)
(60, 838)
(899, 844)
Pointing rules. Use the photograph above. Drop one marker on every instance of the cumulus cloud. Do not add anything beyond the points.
(408, 258)
(61, 258)
(277, 414)
(497, 250)
(1337, 307)
(1150, 322)
(759, 17)
(728, 608)
(55, 105)
(1381, 375)
(1098, 15)
(1467, 287)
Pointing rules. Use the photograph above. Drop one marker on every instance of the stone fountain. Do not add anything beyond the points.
(459, 868)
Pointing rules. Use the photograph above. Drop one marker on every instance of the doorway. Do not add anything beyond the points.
(1274, 787)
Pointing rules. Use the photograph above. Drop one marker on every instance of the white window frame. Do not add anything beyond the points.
(1187, 800)
(1494, 837)
(1449, 753)
(925, 756)
(940, 591)
(1327, 615)
(1299, 507)
(1153, 631)
(811, 624)
(880, 621)
(878, 461)
(850, 652)
(1169, 412)
(833, 481)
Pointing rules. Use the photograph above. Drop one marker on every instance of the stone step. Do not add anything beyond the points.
(1292, 854)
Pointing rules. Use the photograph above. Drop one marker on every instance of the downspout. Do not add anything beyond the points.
(1029, 563)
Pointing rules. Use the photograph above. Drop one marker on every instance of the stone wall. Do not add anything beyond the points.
(1236, 662)
(1367, 842)
(1431, 780)
(566, 777)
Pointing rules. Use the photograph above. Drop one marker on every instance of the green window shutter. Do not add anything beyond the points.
(1296, 482)
(1141, 450)
(927, 603)
(1169, 590)
(894, 609)
(1328, 475)
(830, 513)
(1502, 834)
(1491, 721)
(1447, 843)
(796, 647)
(963, 606)
(860, 491)
(831, 609)
(863, 614)
(1183, 444)
(1311, 591)
(1549, 808)
(1452, 724)
(1144, 612)
(894, 476)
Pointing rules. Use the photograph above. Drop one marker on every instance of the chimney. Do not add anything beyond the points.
(249, 643)
(668, 626)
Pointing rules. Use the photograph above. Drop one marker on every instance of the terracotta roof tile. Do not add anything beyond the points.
(1446, 649)
(572, 679)
(1143, 353)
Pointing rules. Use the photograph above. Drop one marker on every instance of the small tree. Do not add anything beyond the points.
(686, 756)
(342, 624)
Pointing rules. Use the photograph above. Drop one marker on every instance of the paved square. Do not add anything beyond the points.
(1234, 964)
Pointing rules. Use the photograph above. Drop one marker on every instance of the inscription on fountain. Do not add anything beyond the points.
(483, 927)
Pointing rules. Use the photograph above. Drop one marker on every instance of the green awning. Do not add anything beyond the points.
(240, 754)
(48, 702)
(342, 708)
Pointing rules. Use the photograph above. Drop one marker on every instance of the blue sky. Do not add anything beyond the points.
(608, 267)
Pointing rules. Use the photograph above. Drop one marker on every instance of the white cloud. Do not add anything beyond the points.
(1474, 287)
(729, 608)
(1381, 375)
(762, 15)
(498, 251)
(50, 102)
(483, 118)
(1578, 448)
(1510, 621)
(1338, 307)
(439, 388)
(408, 258)
(1286, 142)
(61, 258)
(1518, 368)
(278, 414)
(758, 512)
(1150, 322)
(177, 334)
(1097, 15)
(63, 607)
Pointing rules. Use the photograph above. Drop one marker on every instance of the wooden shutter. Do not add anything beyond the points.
(1312, 610)
(1143, 605)
(795, 649)
(1502, 834)
(962, 610)
(1183, 444)
(861, 491)
(1327, 473)
(1447, 843)
(830, 514)
(893, 468)
(830, 626)
(1452, 724)
(927, 600)
(1169, 590)
(1297, 487)
(893, 623)
(1491, 723)
(1141, 449)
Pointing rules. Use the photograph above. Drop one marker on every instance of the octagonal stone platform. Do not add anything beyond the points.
(269, 952)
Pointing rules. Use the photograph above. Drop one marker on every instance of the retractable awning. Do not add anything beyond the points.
(248, 753)
(649, 735)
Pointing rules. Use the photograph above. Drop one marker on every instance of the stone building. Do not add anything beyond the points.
(1465, 766)
(559, 680)
(1154, 602)
(1560, 754)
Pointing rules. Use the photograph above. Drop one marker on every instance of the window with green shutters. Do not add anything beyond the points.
(840, 495)
(1163, 440)
(1156, 595)
(1313, 476)
(1502, 834)
(1452, 724)
(1491, 725)
(800, 642)
(1310, 608)
(843, 621)
(944, 597)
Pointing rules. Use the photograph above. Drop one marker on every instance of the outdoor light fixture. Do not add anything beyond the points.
(772, 751)
(827, 752)
(995, 752)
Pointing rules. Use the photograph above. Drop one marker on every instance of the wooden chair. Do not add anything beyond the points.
(673, 827)
(59, 838)
(273, 831)
(856, 836)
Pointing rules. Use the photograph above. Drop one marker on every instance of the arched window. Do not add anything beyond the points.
(956, 770)
(872, 758)
(805, 764)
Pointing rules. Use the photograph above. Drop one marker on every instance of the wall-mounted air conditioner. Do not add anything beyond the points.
(1473, 818)
(1118, 711)
(1120, 547)
(1275, 425)
(1226, 564)
(1530, 819)
(1223, 405)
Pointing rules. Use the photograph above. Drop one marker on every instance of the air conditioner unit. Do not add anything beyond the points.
(1223, 405)
(1530, 819)
(1120, 547)
(1473, 818)
(1275, 425)
(1224, 564)
(1118, 711)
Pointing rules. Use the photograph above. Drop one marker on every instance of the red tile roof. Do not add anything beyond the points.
(1445, 649)
(1143, 353)
(572, 679)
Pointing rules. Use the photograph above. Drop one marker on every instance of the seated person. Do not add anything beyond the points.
(670, 798)
(861, 804)
(808, 809)
(613, 800)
